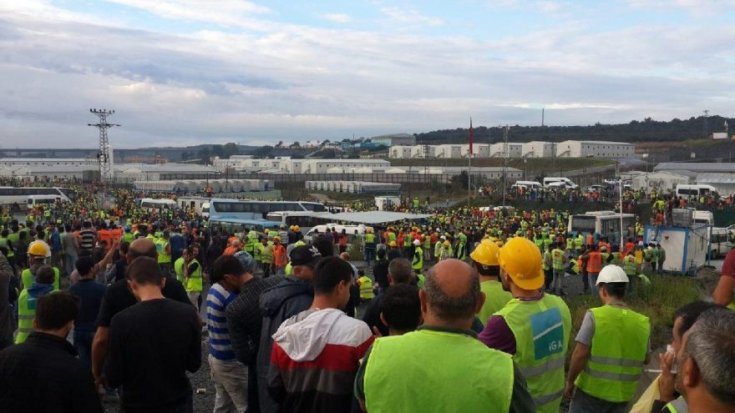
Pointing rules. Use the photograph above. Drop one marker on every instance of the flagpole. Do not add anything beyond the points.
(469, 168)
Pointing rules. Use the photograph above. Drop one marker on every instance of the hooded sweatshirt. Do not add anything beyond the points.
(314, 361)
(278, 303)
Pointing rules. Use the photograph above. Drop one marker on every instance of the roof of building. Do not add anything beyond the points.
(696, 166)
(599, 142)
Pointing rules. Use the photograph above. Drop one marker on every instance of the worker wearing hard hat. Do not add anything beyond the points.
(417, 263)
(612, 348)
(485, 260)
(533, 327)
(38, 254)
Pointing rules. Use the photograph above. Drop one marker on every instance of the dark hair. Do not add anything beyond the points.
(84, 265)
(400, 270)
(226, 264)
(487, 270)
(329, 272)
(45, 274)
(401, 307)
(55, 310)
(615, 289)
(144, 271)
(689, 313)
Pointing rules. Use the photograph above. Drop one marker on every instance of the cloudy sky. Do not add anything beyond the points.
(191, 71)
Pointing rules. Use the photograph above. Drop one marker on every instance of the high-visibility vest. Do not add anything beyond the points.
(266, 254)
(594, 263)
(366, 288)
(5, 242)
(427, 243)
(194, 282)
(163, 258)
(495, 299)
(546, 262)
(128, 237)
(541, 329)
(418, 260)
(437, 249)
(27, 278)
(26, 313)
(578, 242)
(463, 360)
(179, 269)
(618, 351)
(557, 259)
(629, 265)
(370, 239)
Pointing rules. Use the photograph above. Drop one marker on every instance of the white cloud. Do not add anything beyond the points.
(271, 81)
(410, 16)
(337, 17)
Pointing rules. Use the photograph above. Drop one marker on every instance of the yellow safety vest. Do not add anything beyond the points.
(463, 360)
(619, 348)
(27, 278)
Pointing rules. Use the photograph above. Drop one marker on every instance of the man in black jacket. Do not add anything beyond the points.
(118, 297)
(43, 374)
(278, 303)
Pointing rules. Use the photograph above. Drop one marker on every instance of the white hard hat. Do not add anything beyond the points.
(612, 274)
(416, 242)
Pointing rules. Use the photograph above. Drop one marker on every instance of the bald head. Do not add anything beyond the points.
(452, 291)
(141, 247)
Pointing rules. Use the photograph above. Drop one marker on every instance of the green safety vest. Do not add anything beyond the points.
(13, 238)
(407, 241)
(369, 238)
(578, 242)
(418, 260)
(547, 243)
(366, 288)
(194, 282)
(163, 258)
(437, 249)
(539, 243)
(570, 243)
(629, 265)
(546, 262)
(557, 259)
(495, 299)
(179, 269)
(4, 242)
(463, 360)
(26, 314)
(128, 237)
(427, 243)
(27, 278)
(288, 271)
(266, 254)
(420, 280)
(604, 256)
(618, 351)
(541, 329)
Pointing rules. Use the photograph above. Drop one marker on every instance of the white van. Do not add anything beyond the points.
(350, 230)
(694, 190)
(526, 185)
(556, 182)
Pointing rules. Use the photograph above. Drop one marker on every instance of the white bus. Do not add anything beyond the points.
(197, 203)
(35, 201)
(605, 223)
(686, 191)
(16, 197)
(258, 210)
(157, 204)
(556, 182)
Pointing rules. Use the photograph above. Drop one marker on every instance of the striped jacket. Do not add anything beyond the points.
(314, 361)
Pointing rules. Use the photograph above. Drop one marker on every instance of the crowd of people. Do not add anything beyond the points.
(463, 311)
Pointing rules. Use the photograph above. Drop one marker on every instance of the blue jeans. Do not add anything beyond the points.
(592, 277)
(584, 403)
(83, 344)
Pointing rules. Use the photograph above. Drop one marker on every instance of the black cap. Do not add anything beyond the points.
(305, 255)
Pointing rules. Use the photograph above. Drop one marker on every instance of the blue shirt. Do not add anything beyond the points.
(219, 343)
(90, 295)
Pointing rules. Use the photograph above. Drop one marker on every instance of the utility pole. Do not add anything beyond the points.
(506, 132)
(104, 156)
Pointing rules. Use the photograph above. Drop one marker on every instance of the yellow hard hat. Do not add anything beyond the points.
(296, 228)
(447, 243)
(521, 260)
(276, 238)
(486, 253)
(39, 249)
(392, 244)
